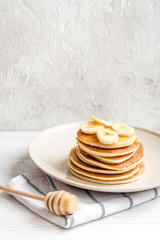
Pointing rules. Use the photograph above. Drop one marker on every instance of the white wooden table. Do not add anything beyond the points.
(17, 222)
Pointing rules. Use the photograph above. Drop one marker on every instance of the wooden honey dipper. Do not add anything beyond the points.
(58, 202)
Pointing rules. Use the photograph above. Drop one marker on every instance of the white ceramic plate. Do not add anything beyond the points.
(50, 148)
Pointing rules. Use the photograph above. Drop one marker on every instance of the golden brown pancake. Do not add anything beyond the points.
(102, 176)
(92, 140)
(81, 164)
(133, 178)
(113, 160)
(126, 165)
(108, 152)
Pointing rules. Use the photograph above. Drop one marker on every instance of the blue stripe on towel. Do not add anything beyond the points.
(32, 185)
(51, 183)
(129, 198)
(95, 200)
(156, 192)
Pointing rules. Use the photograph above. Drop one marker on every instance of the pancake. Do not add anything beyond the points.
(113, 160)
(134, 177)
(92, 140)
(81, 164)
(102, 176)
(108, 152)
(127, 165)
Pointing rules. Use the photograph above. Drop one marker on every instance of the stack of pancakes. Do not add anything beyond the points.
(115, 163)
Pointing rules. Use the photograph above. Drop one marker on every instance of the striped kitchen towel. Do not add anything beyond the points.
(92, 205)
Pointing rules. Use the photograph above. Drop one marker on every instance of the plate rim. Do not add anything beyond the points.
(101, 187)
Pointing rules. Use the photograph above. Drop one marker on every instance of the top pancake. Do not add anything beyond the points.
(93, 141)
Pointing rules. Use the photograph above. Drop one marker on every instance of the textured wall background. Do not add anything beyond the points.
(62, 61)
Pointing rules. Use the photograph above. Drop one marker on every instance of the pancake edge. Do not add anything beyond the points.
(105, 146)
(85, 149)
(101, 178)
(82, 158)
(96, 170)
(117, 182)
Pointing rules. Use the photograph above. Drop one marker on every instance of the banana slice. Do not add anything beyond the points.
(98, 120)
(107, 136)
(91, 127)
(123, 130)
